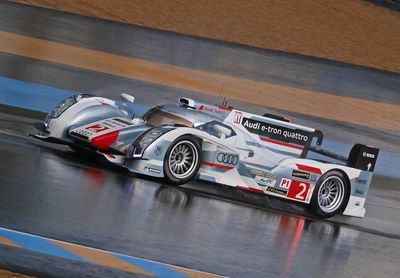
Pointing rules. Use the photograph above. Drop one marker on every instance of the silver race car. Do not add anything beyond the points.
(188, 139)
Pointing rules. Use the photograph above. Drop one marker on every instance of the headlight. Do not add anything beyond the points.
(60, 108)
(64, 105)
(143, 141)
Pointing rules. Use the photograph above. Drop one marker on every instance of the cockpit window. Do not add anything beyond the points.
(212, 128)
(157, 117)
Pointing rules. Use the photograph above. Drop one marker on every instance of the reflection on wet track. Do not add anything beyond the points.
(52, 192)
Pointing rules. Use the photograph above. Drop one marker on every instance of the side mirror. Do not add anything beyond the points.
(128, 98)
(223, 130)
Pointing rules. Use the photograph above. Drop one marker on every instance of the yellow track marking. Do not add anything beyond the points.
(99, 257)
(8, 242)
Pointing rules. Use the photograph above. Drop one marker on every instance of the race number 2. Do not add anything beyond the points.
(298, 190)
(97, 128)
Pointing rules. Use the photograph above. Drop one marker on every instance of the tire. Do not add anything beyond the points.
(182, 160)
(330, 194)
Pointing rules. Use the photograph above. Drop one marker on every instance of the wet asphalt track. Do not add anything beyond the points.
(50, 191)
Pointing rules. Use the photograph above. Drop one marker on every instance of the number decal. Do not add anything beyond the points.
(237, 118)
(299, 190)
(97, 128)
(300, 194)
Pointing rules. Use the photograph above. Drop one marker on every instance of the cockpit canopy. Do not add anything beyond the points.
(157, 117)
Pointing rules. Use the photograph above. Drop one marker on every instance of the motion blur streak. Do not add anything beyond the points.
(99, 257)
(363, 112)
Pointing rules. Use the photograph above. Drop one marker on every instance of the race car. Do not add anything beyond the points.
(190, 140)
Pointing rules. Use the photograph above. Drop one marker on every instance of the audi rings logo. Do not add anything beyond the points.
(231, 159)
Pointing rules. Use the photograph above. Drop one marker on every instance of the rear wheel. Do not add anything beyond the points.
(182, 160)
(330, 194)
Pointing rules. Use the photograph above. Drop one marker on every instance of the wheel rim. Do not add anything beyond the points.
(182, 159)
(331, 194)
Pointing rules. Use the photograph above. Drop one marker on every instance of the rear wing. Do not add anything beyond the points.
(299, 140)
(361, 156)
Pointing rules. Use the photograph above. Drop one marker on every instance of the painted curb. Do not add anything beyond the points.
(95, 256)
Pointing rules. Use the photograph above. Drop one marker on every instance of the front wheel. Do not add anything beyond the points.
(330, 194)
(182, 160)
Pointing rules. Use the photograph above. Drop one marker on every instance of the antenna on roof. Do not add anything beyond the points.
(220, 90)
(224, 101)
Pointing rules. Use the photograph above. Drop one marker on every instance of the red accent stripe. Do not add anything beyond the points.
(250, 189)
(282, 143)
(217, 165)
(309, 169)
(104, 141)
(225, 108)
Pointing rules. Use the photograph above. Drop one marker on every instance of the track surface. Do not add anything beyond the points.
(49, 191)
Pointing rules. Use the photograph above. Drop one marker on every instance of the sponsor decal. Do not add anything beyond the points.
(115, 123)
(313, 177)
(158, 150)
(83, 132)
(237, 117)
(361, 181)
(276, 132)
(359, 192)
(276, 191)
(262, 174)
(299, 190)
(97, 128)
(108, 124)
(369, 155)
(301, 174)
(125, 122)
(212, 109)
(256, 172)
(228, 158)
(265, 181)
(285, 183)
(153, 170)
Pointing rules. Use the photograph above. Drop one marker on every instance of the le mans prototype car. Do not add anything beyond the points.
(187, 140)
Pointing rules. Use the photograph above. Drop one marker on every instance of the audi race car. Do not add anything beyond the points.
(193, 140)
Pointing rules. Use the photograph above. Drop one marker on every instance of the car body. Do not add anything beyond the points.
(193, 140)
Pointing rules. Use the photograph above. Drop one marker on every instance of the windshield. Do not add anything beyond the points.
(156, 117)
